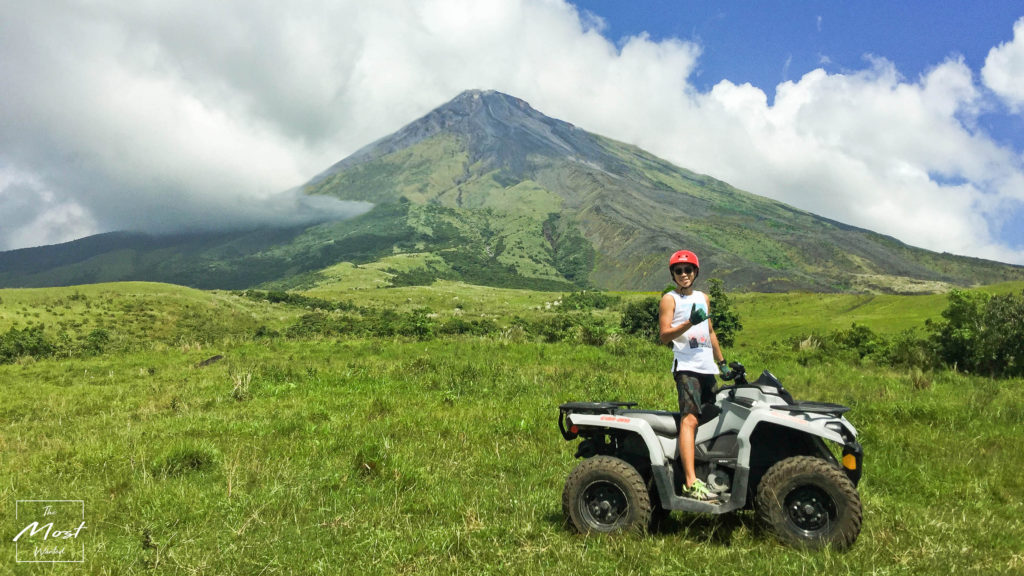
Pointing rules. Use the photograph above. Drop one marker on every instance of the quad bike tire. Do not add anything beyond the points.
(606, 494)
(809, 503)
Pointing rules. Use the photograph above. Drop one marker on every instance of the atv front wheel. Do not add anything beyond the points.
(606, 494)
(809, 503)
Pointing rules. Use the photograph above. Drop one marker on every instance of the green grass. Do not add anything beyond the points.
(387, 456)
(776, 317)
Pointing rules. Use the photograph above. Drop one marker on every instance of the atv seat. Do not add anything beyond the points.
(661, 421)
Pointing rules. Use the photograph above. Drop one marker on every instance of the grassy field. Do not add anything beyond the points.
(401, 456)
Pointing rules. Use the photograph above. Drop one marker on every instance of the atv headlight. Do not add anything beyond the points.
(853, 461)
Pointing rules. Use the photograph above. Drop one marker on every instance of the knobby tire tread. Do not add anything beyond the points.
(612, 469)
(770, 510)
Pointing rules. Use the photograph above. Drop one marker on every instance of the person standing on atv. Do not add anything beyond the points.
(683, 323)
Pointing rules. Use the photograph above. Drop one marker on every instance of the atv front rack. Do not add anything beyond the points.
(813, 408)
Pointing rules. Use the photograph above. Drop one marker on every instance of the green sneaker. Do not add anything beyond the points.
(699, 491)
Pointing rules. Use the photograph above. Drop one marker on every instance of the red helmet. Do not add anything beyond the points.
(684, 256)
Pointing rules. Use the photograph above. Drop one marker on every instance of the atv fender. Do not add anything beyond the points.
(638, 426)
(811, 427)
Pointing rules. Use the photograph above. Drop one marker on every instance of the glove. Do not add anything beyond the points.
(725, 372)
(697, 315)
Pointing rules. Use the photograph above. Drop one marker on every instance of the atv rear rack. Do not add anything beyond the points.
(587, 408)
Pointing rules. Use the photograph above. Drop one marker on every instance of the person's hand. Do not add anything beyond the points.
(725, 372)
(697, 315)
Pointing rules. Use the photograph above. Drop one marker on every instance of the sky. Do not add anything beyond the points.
(906, 118)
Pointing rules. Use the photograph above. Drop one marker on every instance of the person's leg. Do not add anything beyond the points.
(688, 389)
(687, 433)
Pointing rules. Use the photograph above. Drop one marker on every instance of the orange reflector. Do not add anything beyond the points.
(850, 462)
(574, 429)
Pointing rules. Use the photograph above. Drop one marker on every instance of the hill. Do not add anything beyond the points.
(487, 190)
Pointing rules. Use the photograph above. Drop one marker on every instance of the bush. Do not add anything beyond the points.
(1000, 346)
(418, 323)
(640, 318)
(593, 331)
(556, 328)
(472, 327)
(852, 345)
(982, 333)
(724, 317)
(588, 300)
(95, 342)
(955, 336)
(859, 339)
(908, 350)
(312, 324)
(978, 333)
(31, 341)
(293, 299)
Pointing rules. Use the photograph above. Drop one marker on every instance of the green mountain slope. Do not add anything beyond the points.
(487, 190)
(602, 213)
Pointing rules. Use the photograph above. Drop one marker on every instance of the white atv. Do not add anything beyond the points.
(796, 464)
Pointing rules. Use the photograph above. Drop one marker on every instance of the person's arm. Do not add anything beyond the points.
(716, 350)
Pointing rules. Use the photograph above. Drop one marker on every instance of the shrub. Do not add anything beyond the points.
(724, 317)
(293, 299)
(908, 350)
(588, 300)
(955, 336)
(1000, 346)
(593, 331)
(473, 327)
(852, 345)
(640, 318)
(858, 339)
(556, 328)
(95, 342)
(418, 324)
(982, 333)
(31, 341)
(312, 324)
(265, 332)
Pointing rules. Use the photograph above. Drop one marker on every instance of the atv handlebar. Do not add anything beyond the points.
(738, 379)
(738, 372)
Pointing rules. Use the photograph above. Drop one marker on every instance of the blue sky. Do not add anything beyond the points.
(767, 43)
(905, 118)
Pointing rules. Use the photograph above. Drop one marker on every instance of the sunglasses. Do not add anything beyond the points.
(680, 270)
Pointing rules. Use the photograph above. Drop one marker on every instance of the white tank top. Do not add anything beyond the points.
(692, 350)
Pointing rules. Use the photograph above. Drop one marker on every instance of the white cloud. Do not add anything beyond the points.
(35, 216)
(188, 113)
(1004, 69)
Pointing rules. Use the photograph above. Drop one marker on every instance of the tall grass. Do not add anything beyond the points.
(384, 456)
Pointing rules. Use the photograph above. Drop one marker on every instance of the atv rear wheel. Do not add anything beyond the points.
(809, 503)
(606, 494)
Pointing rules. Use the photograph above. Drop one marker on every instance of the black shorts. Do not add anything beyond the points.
(693, 389)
